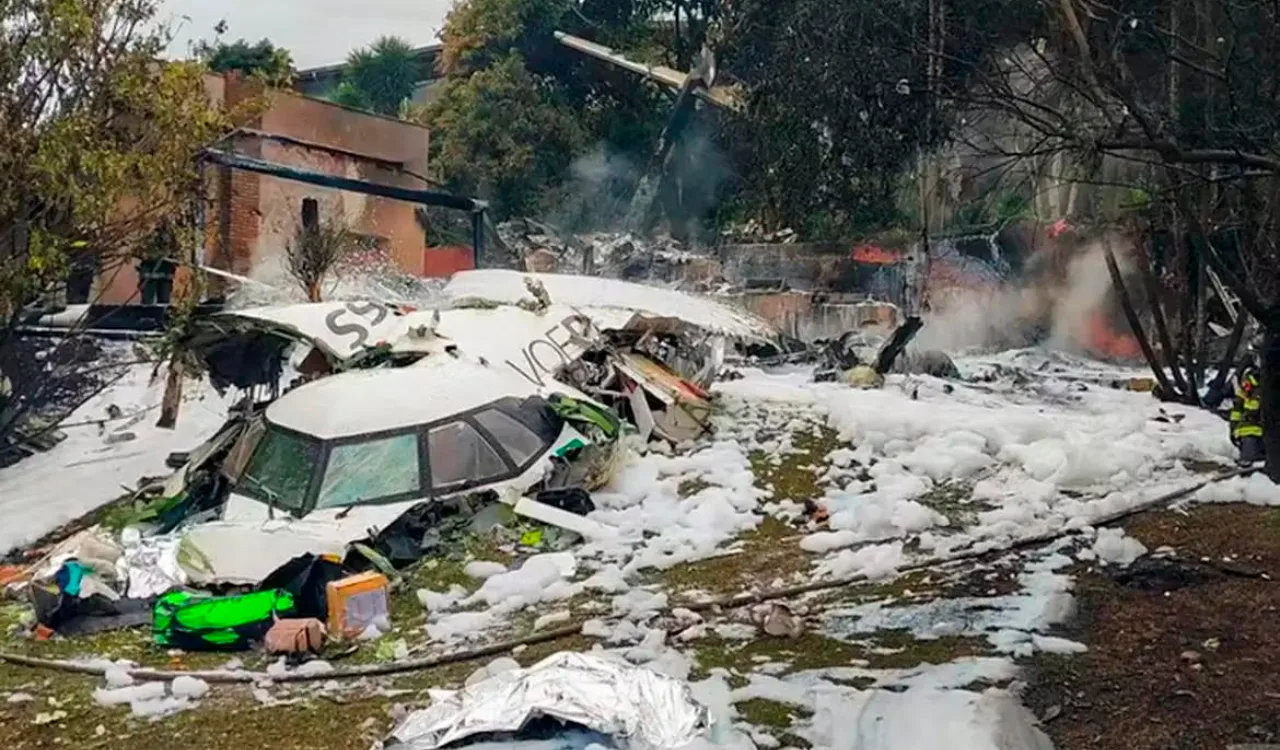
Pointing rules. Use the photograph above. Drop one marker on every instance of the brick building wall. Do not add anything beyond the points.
(252, 218)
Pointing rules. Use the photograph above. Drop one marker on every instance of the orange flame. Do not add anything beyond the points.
(1104, 341)
(875, 255)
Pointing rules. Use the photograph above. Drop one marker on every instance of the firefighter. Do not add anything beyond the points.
(1246, 413)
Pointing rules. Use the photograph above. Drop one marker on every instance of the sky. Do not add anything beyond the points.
(316, 32)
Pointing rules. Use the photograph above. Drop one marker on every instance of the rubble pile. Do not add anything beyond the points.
(542, 248)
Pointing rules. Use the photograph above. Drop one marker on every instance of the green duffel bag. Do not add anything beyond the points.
(198, 622)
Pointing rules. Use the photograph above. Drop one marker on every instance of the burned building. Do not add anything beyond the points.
(251, 218)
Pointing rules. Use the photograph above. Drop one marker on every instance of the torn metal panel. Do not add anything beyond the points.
(543, 513)
(685, 413)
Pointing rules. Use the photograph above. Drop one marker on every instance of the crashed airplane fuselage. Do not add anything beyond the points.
(648, 352)
(343, 459)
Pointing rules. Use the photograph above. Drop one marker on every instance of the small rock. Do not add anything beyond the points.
(398, 712)
(1051, 713)
(1190, 656)
(99, 730)
(49, 717)
(500, 665)
(780, 622)
(1212, 644)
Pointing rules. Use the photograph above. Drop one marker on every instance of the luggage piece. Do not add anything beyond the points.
(357, 602)
(195, 622)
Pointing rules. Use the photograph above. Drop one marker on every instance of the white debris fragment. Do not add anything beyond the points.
(15, 698)
(873, 562)
(1053, 645)
(118, 677)
(156, 709)
(314, 668)
(1114, 546)
(440, 601)
(278, 668)
(541, 578)
(483, 569)
(553, 618)
(147, 691)
(189, 687)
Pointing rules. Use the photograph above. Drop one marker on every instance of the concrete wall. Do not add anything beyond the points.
(800, 266)
(809, 317)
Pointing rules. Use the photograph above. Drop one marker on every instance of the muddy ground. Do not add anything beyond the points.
(1183, 656)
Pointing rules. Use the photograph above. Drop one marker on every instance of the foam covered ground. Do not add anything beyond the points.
(85, 471)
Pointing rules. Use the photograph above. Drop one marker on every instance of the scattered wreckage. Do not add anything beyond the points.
(368, 431)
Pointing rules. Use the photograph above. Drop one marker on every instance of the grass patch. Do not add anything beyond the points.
(793, 477)
(955, 501)
(765, 713)
(910, 651)
(769, 551)
(809, 651)
(690, 487)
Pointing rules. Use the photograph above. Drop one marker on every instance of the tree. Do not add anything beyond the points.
(843, 100)
(380, 77)
(100, 145)
(501, 56)
(1184, 95)
(265, 61)
(479, 33)
(504, 133)
(313, 253)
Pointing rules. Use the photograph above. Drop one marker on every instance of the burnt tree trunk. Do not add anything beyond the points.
(172, 401)
(1270, 366)
(1167, 392)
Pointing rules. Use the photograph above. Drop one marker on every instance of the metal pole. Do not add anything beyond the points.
(202, 194)
(477, 235)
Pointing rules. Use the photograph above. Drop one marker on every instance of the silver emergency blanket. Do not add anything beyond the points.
(648, 710)
(152, 566)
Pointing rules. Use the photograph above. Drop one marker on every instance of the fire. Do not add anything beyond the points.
(1104, 341)
(875, 255)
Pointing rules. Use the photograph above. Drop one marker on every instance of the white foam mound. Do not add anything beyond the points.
(925, 718)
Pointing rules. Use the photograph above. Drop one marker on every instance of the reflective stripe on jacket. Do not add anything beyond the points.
(1246, 411)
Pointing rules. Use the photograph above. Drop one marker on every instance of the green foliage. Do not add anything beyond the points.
(505, 133)
(99, 145)
(479, 32)
(500, 56)
(348, 95)
(840, 103)
(380, 77)
(264, 61)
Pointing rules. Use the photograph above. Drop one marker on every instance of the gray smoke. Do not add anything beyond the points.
(1063, 302)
